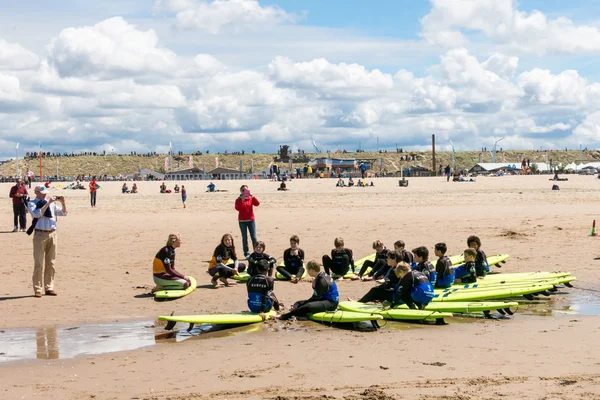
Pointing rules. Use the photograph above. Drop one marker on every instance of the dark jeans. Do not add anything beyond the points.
(312, 307)
(340, 269)
(246, 226)
(20, 214)
(93, 199)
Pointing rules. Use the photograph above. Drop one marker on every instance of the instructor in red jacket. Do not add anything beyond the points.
(245, 206)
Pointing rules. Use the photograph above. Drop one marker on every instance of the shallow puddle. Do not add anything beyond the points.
(55, 343)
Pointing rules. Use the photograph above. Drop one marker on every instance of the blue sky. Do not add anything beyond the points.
(227, 74)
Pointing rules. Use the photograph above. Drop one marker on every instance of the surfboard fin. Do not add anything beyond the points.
(440, 321)
(508, 311)
(487, 315)
(501, 311)
(568, 284)
(170, 325)
(189, 329)
(528, 296)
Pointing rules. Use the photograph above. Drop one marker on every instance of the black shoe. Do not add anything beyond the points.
(16, 229)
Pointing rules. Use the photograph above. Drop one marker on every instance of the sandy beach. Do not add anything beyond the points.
(104, 274)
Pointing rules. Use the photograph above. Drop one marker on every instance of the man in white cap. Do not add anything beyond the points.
(44, 210)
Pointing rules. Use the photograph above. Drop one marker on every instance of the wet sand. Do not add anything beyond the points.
(104, 275)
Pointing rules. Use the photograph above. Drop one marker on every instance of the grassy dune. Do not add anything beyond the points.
(127, 164)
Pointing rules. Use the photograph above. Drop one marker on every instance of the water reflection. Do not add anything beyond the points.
(47, 345)
(55, 343)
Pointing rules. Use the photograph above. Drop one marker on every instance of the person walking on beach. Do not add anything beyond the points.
(245, 204)
(183, 195)
(18, 194)
(93, 189)
(44, 210)
(30, 176)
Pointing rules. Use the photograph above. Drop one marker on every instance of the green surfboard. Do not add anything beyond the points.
(341, 316)
(217, 319)
(451, 307)
(176, 293)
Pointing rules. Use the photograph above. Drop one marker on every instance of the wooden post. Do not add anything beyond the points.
(433, 151)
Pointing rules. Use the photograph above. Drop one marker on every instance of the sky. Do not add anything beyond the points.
(232, 75)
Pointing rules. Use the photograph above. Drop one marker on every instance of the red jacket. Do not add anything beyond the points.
(245, 208)
(19, 200)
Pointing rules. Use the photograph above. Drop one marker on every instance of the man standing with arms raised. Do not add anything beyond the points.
(44, 210)
(18, 194)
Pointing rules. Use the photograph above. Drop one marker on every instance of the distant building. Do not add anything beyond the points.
(184, 174)
(418, 170)
(489, 168)
(332, 164)
(227, 174)
(145, 174)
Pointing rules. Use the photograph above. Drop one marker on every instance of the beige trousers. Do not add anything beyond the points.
(44, 252)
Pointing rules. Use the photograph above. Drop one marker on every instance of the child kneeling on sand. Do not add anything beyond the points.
(325, 295)
(260, 290)
(219, 266)
(163, 268)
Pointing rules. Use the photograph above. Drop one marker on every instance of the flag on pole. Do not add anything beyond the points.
(217, 162)
(191, 162)
(166, 164)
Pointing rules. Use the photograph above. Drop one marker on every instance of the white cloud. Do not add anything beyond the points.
(111, 48)
(566, 88)
(10, 89)
(449, 20)
(13, 56)
(589, 130)
(218, 15)
(348, 80)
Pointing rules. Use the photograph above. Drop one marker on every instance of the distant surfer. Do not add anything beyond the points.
(163, 267)
(325, 295)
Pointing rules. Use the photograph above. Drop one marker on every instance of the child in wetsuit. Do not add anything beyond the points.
(163, 268)
(407, 256)
(220, 267)
(325, 294)
(467, 273)
(385, 291)
(261, 297)
(293, 261)
(443, 267)
(380, 261)
(414, 289)
(481, 265)
(423, 265)
(341, 260)
(258, 255)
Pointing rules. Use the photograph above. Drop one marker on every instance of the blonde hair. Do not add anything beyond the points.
(312, 265)
(470, 252)
(402, 267)
(338, 242)
(172, 238)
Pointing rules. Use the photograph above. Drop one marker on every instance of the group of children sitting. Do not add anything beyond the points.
(406, 277)
(361, 183)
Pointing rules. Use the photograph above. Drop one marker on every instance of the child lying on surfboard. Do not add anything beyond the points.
(163, 267)
(325, 295)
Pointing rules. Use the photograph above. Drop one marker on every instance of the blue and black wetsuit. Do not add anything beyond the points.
(325, 298)
(481, 264)
(467, 272)
(445, 272)
(255, 258)
(414, 290)
(293, 265)
(260, 294)
(427, 269)
(408, 257)
(380, 262)
(339, 263)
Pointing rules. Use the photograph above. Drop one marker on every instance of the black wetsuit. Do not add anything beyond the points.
(254, 259)
(325, 298)
(445, 272)
(426, 268)
(293, 265)
(383, 292)
(408, 257)
(339, 263)
(481, 265)
(226, 254)
(380, 262)
(471, 277)
(260, 293)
